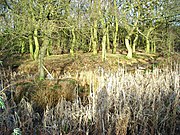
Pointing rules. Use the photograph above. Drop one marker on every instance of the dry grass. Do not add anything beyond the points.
(118, 103)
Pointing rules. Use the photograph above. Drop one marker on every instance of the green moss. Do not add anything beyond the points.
(56, 87)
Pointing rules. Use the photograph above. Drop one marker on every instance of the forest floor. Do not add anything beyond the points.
(65, 63)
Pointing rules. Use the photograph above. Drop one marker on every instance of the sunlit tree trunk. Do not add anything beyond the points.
(94, 44)
(116, 28)
(147, 39)
(31, 50)
(128, 46)
(36, 42)
(91, 39)
(104, 40)
(147, 45)
(41, 58)
(130, 30)
(107, 39)
(135, 43)
(127, 43)
(94, 17)
(22, 46)
(73, 42)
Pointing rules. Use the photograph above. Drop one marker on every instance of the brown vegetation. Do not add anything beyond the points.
(49, 92)
(57, 65)
(94, 101)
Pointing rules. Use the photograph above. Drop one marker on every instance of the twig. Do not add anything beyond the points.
(51, 77)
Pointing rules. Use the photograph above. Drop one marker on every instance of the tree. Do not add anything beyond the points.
(54, 27)
(94, 18)
(130, 19)
(116, 23)
(150, 20)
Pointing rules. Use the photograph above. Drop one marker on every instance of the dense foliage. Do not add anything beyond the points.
(61, 26)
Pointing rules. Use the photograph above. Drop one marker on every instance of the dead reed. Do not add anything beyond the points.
(144, 102)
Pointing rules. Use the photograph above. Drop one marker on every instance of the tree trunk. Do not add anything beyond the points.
(31, 50)
(169, 42)
(154, 47)
(147, 39)
(22, 46)
(36, 53)
(129, 55)
(41, 58)
(107, 39)
(49, 48)
(135, 43)
(91, 40)
(116, 28)
(104, 41)
(94, 44)
(147, 45)
(73, 42)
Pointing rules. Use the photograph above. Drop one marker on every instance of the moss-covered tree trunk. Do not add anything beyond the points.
(107, 39)
(91, 39)
(148, 45)
(36, 42)
(41, 58)
(135, 43)
(128, 46)
(22, 46)
(116, 28)
(49, 48)
(94, 43)
(73, 42)
(31, 49)
(170, 42)
(153, 47)
(94, 30)
(104, 40)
